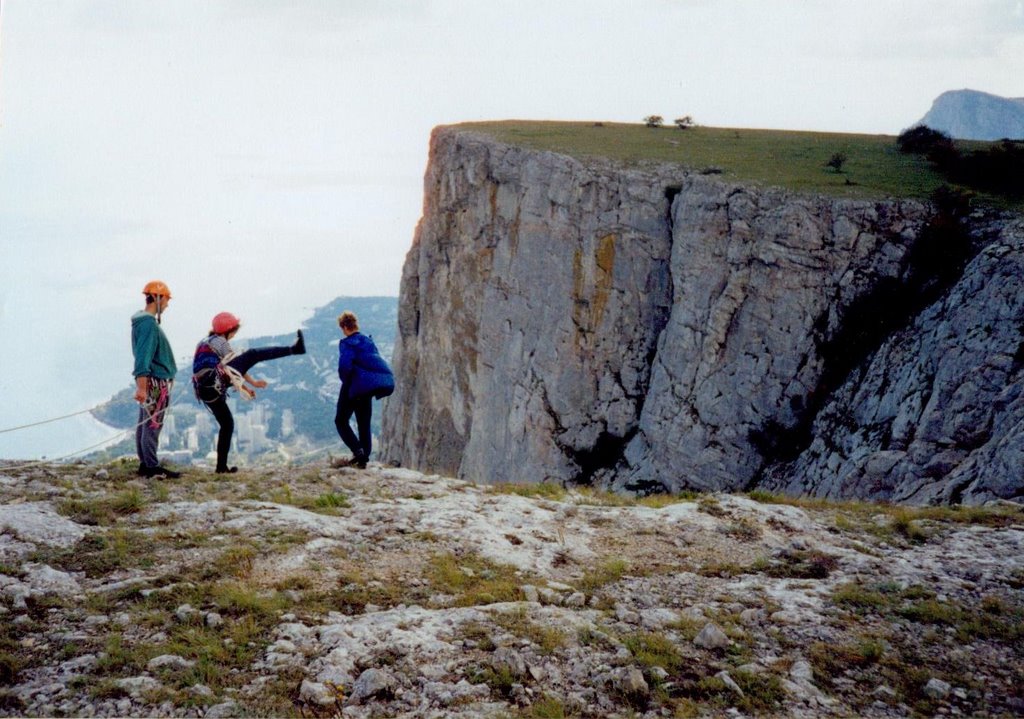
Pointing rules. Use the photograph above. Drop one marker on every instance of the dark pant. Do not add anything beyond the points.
(147, 439)
(219, 406)
(222, 413)
(363, 410)
(245, 361)
(151, 420)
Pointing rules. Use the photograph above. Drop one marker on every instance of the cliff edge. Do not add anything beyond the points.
(655, 328)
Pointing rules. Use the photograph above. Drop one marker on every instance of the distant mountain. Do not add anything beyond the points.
(974, 115)
(293, 416)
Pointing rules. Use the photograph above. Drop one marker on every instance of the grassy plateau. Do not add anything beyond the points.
(873, 168)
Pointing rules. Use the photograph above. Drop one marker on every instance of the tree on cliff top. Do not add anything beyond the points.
(836, 162)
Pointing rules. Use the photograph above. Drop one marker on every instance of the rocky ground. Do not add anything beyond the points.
(323, 591)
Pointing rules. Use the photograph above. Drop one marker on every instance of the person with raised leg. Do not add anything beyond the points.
(216, 369)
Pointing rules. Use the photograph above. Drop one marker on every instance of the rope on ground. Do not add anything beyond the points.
(318, 450)
(39, 462)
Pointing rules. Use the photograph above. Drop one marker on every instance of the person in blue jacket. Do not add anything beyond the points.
(364, 375)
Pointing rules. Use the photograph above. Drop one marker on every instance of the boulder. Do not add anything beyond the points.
(711, 637)
(371, 684)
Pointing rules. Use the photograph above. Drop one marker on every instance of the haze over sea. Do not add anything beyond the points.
(266, 157)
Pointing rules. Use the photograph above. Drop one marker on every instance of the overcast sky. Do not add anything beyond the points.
(265, 157)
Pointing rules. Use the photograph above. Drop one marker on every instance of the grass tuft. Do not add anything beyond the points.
(479, 633)
(331, 500)
(10, 665)
(609, 571)
(836, 659)
(859, 598)
(474, 580)
(802, 565)
(546, 490)
(547, 639)
(101, 553)
(236, 561)
(547, 707)
(652, 649)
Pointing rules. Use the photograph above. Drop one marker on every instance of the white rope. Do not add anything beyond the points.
(117, 437)
(325, 448)
(52, 419)
(55, 460)
(183, 358)
(236, 377)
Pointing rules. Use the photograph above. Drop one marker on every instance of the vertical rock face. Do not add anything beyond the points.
(763, 281)
(937, 415)
(657, 329)
(531, 305)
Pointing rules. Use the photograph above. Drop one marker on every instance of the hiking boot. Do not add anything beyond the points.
(226, 470)
(342, 462)
(159, 471)
(299, 348)
(359, 462)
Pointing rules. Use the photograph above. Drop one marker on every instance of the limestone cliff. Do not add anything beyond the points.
(658, 328)
(937, 415)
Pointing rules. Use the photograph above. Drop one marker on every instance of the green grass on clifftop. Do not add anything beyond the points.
(793, 160)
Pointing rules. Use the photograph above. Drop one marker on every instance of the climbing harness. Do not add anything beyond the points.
(212, 375)
(157, 396)
(236, 378)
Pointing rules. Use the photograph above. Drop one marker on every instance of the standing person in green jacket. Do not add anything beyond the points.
(154, 375)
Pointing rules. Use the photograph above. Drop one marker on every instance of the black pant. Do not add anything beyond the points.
(245, 361)
(222, 413)
(219, 406)
(363, 409)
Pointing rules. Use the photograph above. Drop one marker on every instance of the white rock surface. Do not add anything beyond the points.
(40, 524)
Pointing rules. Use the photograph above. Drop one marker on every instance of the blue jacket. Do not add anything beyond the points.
(362, 370)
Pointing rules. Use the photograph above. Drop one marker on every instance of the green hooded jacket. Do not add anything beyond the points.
(153, 356)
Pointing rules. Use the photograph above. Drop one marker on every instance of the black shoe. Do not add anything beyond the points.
(299, 348)
(226, 470)
(159, 471)
(353, 461)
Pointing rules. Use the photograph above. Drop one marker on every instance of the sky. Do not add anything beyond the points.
(267, 156)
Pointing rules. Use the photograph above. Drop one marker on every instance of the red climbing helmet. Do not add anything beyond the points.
(224, 322)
